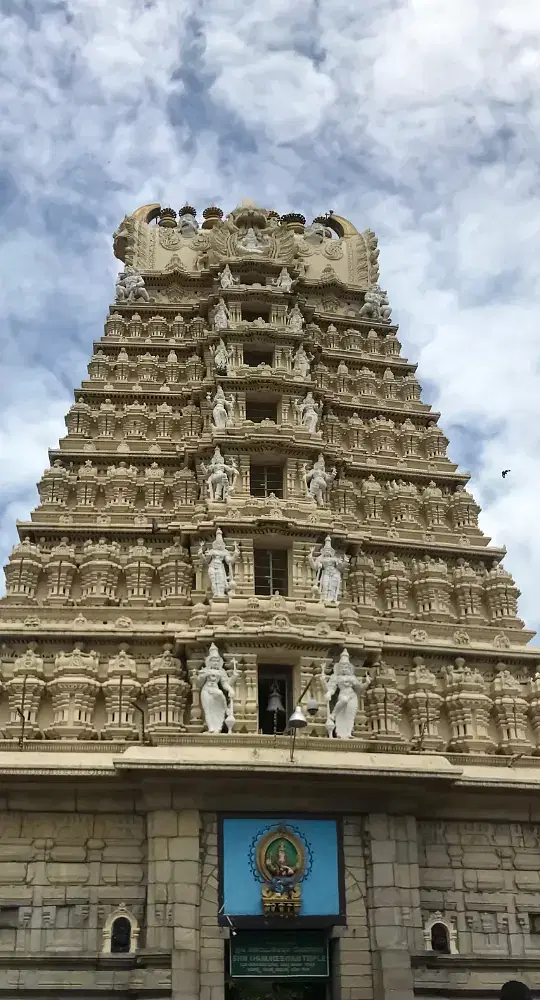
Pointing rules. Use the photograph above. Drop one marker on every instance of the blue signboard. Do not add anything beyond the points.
(283, 866)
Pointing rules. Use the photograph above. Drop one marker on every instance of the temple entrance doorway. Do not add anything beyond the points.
(265, 989)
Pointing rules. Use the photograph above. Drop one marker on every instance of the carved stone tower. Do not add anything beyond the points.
(252, 517)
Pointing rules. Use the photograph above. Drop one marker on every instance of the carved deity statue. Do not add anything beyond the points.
(220, 564)
(220, 477)
(221, 408)
(221, 357)
(284, 280)
(376, 306)
(217, 691)
(221, 316)
(302, 363)
(343, 682)
(251, 242)
(295, 320)
(226, 278)
(330, 567)
(309, 412)
(130, 286)
(318, 481)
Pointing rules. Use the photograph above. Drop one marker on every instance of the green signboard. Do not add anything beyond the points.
(279, 955)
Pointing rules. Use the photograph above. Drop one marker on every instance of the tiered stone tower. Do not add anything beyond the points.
(248, 401)
(260, 668)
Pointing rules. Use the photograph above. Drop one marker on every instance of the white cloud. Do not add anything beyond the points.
(420, 120)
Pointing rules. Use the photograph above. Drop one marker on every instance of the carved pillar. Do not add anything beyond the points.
(195, 661)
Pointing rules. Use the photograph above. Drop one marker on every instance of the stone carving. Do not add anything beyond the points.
(252, 242)
(318, 481)
(343, 681)
(376, 306)
(220, 477)
(219, 561)
(217, 691)
(295, 320)
(284, 280)
(130, 286)
(221, 357)
(221, 408)
(221, 316)
(309, 412)
(166, 693)
(74, 689)
(330, 568)
(187, 223)
(302, 363)
(316, 234)
(226, 278)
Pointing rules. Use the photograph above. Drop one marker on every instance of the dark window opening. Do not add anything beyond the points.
(120, 936)
(255, 358)
(250, 313)
(258, 411)
(440, 939)
(271, 571)
(534, 923)
(266, 479)
(274, 687)
(9, 916)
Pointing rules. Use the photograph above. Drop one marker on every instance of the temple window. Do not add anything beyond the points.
(274, 688)
(266, 479)
(271, 572)
(258, 410)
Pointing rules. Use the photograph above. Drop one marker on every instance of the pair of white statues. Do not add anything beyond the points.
(342, 690)
(228, 280)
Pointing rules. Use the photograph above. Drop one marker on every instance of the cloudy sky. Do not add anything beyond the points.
(418, 118)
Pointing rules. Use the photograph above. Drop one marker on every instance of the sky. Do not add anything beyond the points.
(419, 119)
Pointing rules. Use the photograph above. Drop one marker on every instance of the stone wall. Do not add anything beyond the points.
(63, 873)
(485, 880)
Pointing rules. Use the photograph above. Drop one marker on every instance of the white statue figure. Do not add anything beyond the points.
(226, 278)
(221, 357)
(221, 315)
(330, 567)
(316, 233)
(221, 408)
(295, 319)
(284, 280)
(220, 564)
(130, 286)
(217, 691)
(340, 720)
(188, 225)
(302, 363)
(376, 306)
(250, 242)
(309, 412)
(318, 481)
(220, 477)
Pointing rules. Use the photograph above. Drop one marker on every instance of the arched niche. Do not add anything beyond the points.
(440, 935)
(515, 990)
(120, 933)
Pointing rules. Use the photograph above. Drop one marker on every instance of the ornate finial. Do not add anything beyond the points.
(322, 219)
(294, 219)
(273, 215)
(167, 218)
(187, 210)
(212, 215)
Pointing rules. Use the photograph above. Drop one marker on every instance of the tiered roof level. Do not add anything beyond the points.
(251, 497)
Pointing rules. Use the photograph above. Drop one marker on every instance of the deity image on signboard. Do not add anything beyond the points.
(282, 859)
